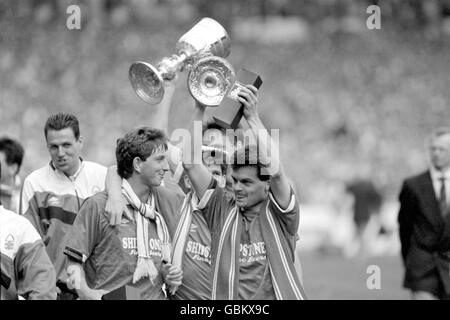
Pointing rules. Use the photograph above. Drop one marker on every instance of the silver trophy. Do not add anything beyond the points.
(201, 51)
(209, 80)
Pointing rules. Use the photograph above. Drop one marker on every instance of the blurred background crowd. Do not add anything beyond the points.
(353, 105)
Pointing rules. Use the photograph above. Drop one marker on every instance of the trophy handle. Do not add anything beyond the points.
(147, 82)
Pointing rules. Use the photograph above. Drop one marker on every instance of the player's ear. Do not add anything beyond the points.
(187, 182)
(137, 164)
(81, 141)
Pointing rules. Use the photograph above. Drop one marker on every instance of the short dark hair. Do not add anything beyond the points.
(249, 157)
(61, 121)
(141, 142)
(13, 151)
(229, 134)
(212, 125)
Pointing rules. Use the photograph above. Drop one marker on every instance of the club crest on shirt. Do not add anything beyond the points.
(9, 242)
(193, 228)
(53, 201)
(96, 189)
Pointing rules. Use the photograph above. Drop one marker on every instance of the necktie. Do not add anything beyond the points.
(443, 197)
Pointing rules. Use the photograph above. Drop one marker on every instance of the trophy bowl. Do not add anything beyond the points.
(146, 82)
(209, 80)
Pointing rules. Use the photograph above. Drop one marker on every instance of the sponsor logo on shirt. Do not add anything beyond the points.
(130, 243)
(155, 247)
(9, 242)
(251, 252)
(199, 251)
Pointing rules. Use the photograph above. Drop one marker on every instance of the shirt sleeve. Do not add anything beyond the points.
(29, 208)
(215, 204)
(36, 276)
(409, 205)
(289, 217)
(169, 200)
(85, 232)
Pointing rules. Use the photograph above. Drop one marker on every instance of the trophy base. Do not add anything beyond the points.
(230, 111)
(146, 82)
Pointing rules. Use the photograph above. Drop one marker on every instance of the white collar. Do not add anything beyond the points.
(194, 201)
(76, 174)
(437, 174)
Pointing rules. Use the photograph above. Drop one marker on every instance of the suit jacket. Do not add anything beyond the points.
(424, 236)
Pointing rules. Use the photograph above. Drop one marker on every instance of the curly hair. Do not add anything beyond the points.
(141, 142)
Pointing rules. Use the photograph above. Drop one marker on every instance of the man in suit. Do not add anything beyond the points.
(424, 221)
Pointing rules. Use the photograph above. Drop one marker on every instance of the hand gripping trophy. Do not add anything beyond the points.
(202, 51)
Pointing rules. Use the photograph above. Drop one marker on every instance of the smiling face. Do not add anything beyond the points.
(153, 169)
(248, 189)
(65, 150)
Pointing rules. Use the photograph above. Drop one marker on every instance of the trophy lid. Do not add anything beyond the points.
(206, 36)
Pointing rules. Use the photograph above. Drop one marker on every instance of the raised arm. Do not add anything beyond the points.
(160, 113)
(268, 148)
(192, 154)
(115, 205)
